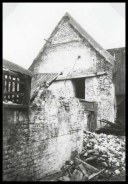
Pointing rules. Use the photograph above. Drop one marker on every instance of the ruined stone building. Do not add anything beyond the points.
(38, 137)
(69, 88)
(73, 65)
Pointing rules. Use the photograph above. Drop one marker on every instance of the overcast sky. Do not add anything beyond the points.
(26, 25)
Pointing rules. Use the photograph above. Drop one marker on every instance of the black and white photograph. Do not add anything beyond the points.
(63, 86)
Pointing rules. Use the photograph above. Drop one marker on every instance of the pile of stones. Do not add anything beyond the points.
(102, 157)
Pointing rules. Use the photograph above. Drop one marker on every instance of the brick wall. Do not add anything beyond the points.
(38, 142)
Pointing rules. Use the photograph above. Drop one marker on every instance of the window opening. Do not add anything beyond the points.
(79, 87)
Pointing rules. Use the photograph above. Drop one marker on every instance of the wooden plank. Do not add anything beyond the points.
(13, 93)
(7, 88)
(88, 106)
(16, 85)
(113, 125)
(62, 172)
(27, 90)
(88, 166)
(11, 88)
(92, 176)
(15, 106)
(91, 121)
(3, 84)
(80, 76)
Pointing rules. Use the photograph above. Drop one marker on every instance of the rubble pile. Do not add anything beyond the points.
(103, 150)
(102, 157)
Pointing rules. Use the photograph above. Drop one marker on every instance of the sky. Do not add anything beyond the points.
(26, 25)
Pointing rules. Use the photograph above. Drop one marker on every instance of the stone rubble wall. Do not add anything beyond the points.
(56, 130)
(15, 144)
(65, 46)
(101, 90)
(63, 88)
(39, 141)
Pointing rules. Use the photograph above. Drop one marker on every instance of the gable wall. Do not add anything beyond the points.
(61, 55)
(63, 51)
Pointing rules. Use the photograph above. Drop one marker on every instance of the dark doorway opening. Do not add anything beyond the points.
(79, 85)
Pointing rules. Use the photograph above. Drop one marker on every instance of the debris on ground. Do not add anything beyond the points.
(102, 159)
(117, 128)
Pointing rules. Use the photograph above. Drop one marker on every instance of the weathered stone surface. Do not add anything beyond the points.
(39, 143)
(101, 90)
(16, 134)
(62, 54)
(56, 133)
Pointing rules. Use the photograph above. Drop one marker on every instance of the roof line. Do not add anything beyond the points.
(117, 48)
(84, 34)
(45, 44)
(98, 47)
(15, 68)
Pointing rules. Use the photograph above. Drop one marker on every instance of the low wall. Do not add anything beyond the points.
(15, 144)
(39, 141)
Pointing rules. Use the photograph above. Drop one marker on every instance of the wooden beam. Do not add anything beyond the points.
(13, 93)
(92, 176)
(15, 106)
(88, 166)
